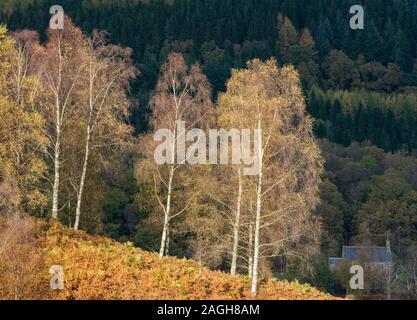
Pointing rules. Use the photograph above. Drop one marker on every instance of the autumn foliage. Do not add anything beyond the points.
(100, 268)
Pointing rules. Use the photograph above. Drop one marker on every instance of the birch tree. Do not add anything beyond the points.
(231, 179)
(22, 143)
(104, 103)
(289, 160)
(61, 64)
(225, 189)
(182, 100)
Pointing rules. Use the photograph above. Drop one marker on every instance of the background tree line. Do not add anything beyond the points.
(312, 35)
(389, 122)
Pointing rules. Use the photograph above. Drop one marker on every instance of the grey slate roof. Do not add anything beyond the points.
(367, 254)
(335, 261)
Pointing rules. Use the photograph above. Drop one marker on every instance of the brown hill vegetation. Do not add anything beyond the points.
(100, 268)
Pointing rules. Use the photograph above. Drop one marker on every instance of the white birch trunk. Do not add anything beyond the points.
(254, 288)
(82, 181)
(236, 226)
(250, 250)
(167, 216)
(57, 164)
(86, 152)
(167, 243)
(57, 147)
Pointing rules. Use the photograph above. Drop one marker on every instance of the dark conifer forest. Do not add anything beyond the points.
(221, 35)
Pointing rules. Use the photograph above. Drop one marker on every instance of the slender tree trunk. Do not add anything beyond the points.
(236, 226)
(254, 289)
(250, 250)
(167, 215)
(82, 181)
(167, 243)
(87, 150)
(57, 151)
(57, 147)
(162, 250)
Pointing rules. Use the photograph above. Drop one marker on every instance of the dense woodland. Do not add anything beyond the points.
(360, 88)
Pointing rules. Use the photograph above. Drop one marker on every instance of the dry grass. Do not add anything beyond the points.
(99, 268)
(21, 260)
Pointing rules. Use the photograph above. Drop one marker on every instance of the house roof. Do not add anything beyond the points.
(367, 254)
(335, 261)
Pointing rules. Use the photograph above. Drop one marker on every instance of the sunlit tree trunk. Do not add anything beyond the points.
(57, 161)
(236, 226)
(256, 253)
(165, 232)
(250, 249)
(168, 243)
(82, 181)
(57, 148)
(87, 150)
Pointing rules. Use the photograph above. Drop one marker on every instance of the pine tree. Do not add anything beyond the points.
(373, 43)
(402, 52)
(323, 37)
(342, 34)
(287, 35)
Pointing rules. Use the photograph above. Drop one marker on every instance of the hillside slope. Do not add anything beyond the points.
(100, 268)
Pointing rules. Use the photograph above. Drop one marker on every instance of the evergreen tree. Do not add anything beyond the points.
(323, 37)
(402, 52)
(287, 36)
(373, 43)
